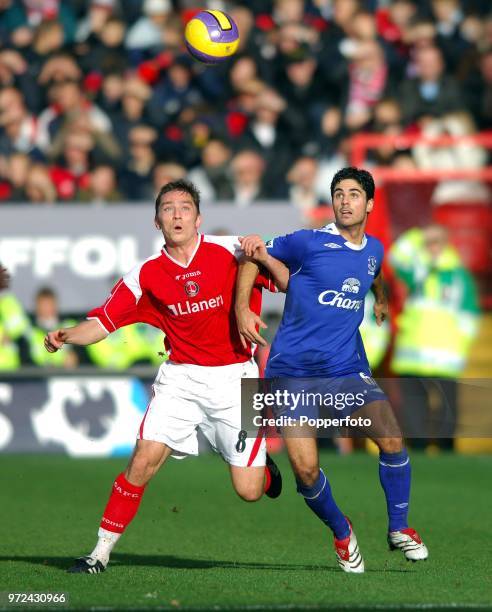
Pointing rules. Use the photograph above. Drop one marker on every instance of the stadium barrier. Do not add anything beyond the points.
(84, 413)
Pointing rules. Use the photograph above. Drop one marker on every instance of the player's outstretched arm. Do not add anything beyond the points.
(254, 247)
(86, 332)
(381, 300)
(247, 320)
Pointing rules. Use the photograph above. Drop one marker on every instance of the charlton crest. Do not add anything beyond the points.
(191, 288)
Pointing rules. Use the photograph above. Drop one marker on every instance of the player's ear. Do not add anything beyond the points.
(198, 221)
(157, 223)
(370, 205)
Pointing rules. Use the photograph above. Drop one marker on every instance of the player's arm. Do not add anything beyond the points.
(82, 334)
(255, 248)
(381, 299)
(247, 320)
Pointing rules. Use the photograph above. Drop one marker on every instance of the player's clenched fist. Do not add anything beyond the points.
(54, 340)
(381, 311)
(253, 246)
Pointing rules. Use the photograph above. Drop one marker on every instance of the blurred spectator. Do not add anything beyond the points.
(174, 93)
(432, 92)
(435, 330)
(368, 74)
(460, 156)
(18, 170)
(46, 318)
(248, 173)
(19, 128)
(136, 177)
(388, 121)
(478, 91)
(165, 172)
(70, 104)
(266, 134)
(212, 177)
(101, 187)
(303, 179)
(39, 187)
(14, 326)
(135, 94)
(98, 13)
(148, 31)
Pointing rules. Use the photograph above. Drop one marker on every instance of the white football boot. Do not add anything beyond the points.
(348, 553)
(409, 541)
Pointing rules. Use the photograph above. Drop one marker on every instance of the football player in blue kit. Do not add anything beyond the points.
(318, 347)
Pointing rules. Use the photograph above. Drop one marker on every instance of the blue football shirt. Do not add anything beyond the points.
(329, 279)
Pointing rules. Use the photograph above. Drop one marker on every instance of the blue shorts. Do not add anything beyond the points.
(336, 397)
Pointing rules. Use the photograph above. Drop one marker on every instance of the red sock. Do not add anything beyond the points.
(268, 479)
(122, 506)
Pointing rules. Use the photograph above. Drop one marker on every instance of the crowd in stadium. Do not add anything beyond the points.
(100, 102)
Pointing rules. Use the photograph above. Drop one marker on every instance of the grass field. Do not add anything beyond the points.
(195, 546)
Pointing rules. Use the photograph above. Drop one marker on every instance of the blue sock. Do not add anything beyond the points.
(395, 476)
(320, 500)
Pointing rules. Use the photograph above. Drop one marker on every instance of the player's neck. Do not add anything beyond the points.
(354, 234)
(183, 252)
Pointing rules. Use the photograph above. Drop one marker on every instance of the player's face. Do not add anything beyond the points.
(178, 218)
(350, 203)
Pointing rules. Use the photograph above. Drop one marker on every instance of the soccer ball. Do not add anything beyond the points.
(211, 37)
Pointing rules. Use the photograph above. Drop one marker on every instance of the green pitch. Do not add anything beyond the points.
(194, 545)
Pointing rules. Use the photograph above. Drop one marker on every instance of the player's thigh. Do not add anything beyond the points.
(147, 457)
(174, 411)
(222, 424)
(238, 447)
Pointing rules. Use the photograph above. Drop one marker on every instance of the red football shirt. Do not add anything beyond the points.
(192, 304)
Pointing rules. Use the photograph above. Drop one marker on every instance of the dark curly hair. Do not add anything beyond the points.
(363, 177)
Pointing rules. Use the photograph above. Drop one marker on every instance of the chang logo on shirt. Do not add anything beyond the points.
(351, 285)
(331, 297)
(338, 299)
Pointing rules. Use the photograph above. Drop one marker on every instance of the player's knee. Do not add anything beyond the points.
(249, 493)
(307, 475)
(390, 445)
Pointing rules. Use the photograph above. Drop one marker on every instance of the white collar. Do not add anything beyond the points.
(198, 243)
(331, 228)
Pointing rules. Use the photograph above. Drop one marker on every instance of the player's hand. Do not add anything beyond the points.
(54, 340)
(381, 311)
(247, 323)
(254, 247)
(4, 278)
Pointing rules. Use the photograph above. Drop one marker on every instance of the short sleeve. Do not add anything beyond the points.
(290, 249)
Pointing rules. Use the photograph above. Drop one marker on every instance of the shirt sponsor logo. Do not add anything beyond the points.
(338, 299)
(351, 285)
(332, 245)
(372, 264)
(191, 288)
(186, 308)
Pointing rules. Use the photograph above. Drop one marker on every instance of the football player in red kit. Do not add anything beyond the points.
(187, 291)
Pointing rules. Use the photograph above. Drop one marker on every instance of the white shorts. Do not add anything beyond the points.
(187, 397)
